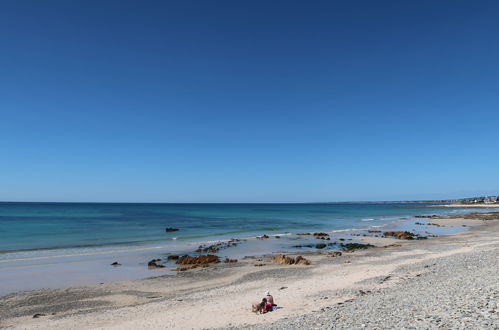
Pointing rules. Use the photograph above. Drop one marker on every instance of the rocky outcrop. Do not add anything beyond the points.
(302, 261)
(154, 264)
(282, 259)
(323, 236)
(191, 262)
(217, 246)
(198, 260)
(263, 237)
(320, 246)
(173, 257)
(115, 264)
(400, 234)
(229, 261)
(170, 229)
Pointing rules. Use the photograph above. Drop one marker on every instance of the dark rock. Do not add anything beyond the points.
(374, 231)
(335, 254)
(153, 264)
(37, 315)
(262, 237)
(173, 257)
(217, 246)
(355, 246)
(277, 236)
(170, 229)
(115, 264)
(320, 246)
(228, 261)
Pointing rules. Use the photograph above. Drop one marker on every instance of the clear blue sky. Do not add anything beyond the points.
(248, 101)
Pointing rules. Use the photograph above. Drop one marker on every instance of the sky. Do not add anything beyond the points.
(248, 101)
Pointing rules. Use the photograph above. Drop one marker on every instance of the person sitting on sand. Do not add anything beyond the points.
(269, 298)
(262, 307)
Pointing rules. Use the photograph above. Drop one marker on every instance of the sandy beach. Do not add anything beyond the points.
(325, 294)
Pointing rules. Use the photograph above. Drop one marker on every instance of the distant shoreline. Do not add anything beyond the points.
(486, 206)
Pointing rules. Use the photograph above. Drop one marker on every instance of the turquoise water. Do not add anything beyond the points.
(35, 226)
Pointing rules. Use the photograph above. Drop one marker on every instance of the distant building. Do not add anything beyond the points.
(491, 199)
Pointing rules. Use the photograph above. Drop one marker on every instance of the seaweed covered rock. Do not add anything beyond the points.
(355, 246)
(320, 246)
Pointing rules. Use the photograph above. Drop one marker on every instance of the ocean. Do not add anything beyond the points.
(81, 239)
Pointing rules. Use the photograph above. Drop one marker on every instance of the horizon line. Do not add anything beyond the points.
(214, 203)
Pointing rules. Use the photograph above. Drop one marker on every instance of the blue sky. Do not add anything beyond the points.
(248, 101)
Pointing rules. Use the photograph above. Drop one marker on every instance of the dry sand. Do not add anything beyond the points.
(221, 295)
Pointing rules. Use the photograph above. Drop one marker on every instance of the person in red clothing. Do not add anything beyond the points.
(270, 298)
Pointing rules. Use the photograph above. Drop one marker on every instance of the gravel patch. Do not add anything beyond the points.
(455, 292)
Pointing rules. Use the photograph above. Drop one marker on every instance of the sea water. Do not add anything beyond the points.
(63, 244)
